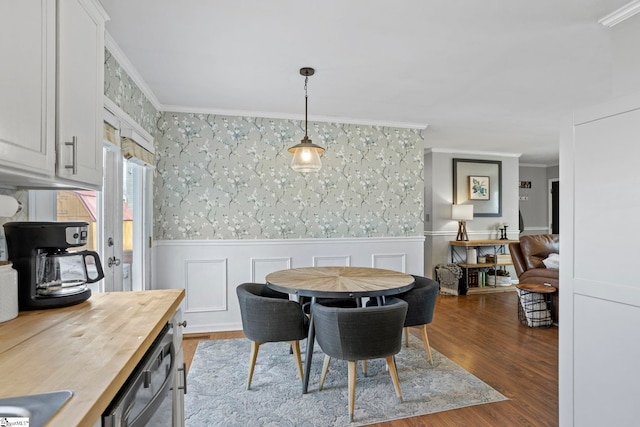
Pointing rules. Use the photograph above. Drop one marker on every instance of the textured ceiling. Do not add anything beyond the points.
(493, 75)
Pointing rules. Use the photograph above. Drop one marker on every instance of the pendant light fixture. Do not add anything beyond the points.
(306, 155)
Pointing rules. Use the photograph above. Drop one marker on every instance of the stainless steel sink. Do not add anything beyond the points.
(37, 407)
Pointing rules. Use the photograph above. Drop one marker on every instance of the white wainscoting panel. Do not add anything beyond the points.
(205, 284)
(332, 261)
(210, 270)
(397, 262)
(261, 267)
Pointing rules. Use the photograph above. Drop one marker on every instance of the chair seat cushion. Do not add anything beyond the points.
(540, 275)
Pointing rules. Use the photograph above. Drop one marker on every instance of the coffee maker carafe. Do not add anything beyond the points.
(48, 275)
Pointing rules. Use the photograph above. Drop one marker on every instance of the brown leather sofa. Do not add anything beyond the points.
(527, 256)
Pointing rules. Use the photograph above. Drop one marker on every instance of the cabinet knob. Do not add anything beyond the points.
(183, 324)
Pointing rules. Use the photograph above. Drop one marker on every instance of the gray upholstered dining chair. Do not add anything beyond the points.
(269, 316)
(422, 303)
(422, 300)
(354, 334)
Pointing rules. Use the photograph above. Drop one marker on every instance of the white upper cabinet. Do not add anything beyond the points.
(80, 77)
(27, 86)
(51, 86)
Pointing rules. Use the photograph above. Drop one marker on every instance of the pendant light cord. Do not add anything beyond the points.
(306, 97)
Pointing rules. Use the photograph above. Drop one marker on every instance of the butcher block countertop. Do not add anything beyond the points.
(90, 348)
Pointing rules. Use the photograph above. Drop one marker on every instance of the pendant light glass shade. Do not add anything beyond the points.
(306, 155)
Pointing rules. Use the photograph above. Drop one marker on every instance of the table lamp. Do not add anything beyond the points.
(462, 213)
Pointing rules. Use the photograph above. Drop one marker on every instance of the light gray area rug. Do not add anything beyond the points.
(217, 394)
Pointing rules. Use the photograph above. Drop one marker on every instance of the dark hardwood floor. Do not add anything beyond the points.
(482, 334)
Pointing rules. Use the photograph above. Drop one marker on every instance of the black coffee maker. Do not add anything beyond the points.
(48, 275)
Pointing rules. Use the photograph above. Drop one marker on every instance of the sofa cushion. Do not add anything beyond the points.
(540, 275)
(536, 248)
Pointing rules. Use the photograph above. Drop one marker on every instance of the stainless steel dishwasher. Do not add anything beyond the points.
(146, 397)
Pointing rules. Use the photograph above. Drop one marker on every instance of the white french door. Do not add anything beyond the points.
(110, 210)
(136, 225)
(126, 225)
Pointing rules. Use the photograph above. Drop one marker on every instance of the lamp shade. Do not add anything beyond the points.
(462, 212)
(306, 156)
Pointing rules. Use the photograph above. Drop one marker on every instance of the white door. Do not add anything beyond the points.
(136, 225)
(111, 211)
(126, 227)
(600, 293)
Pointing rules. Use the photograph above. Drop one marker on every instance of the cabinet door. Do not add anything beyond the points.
(27, 86)
(80, 87)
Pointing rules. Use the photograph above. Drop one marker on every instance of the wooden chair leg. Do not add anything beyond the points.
(425, 341)
(394, 376)
(365, 367)
(295, 346)
(352, 387)
(325, 369)
(406, 337)
(255, 346)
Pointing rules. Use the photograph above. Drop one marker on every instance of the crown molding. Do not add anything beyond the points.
(619, 15)
(538, 165)
(289, 116)
(470, 152)
(533, 165)
(128, 67)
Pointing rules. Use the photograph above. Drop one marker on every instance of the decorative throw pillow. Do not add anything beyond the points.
(552, 261)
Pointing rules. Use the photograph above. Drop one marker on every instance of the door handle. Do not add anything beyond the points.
(113, 261)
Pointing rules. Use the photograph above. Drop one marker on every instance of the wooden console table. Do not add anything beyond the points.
(497, 247)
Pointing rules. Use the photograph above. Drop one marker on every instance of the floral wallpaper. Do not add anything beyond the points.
(224, 177)
(121, 89)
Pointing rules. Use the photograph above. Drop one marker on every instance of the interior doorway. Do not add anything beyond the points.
(554, 206)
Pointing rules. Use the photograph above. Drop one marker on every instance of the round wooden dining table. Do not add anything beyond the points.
(336, 282)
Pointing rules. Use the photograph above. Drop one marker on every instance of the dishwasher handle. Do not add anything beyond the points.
(143, 418)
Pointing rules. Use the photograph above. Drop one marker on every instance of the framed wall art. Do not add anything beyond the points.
(479, 188)
(479, 183)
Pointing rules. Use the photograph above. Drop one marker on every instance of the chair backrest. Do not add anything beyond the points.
(360, 333)
(268, 315)
(517, 258)
(536, 248)
(422, 301)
